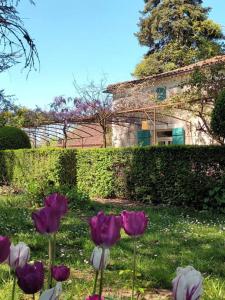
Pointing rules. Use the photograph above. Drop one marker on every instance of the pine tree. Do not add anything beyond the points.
(177, 33)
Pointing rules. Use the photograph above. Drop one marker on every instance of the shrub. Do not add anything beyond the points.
(173, 175)
(13, 138)
(218, 116)
(37, 170)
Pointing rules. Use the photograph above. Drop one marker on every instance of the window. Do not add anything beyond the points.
(164, 137)
(161, 93)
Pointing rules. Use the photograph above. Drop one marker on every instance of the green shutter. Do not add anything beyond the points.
(161, 93)
(144, 137)
(178, 136)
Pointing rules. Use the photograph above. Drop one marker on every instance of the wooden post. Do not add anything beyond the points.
(154, 126)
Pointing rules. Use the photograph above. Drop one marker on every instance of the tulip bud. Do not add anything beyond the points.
(46, 220)
(19, 255)
(188, 284)
(60, 273)
(105, 229)
(30, 277)
(134, 222)
(57, 202)
(96, 258)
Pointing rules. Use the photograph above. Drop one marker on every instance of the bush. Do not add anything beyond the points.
(218, 116)
(173, 175)
(13, 138)
(34, 170)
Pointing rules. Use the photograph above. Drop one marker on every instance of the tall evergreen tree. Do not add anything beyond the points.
(177, 33)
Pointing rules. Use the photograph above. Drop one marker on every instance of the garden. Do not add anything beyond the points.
(133, 223)
(169, 234)
(174, 237)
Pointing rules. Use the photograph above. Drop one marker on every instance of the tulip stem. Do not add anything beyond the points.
(102, 272)
(50, 255)
(33, 296)
(95, 282)
(14, 287)
(134, 268)
(54, 248)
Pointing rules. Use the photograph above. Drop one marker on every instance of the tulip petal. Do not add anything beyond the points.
(52, 294)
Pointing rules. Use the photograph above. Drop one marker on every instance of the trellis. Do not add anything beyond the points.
(79, 127)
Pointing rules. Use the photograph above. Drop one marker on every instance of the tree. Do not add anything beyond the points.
(177, 33)
(61, 110)
(7, 108)
(94, 103)
(15, 41)
(198, 96)
(218, 117)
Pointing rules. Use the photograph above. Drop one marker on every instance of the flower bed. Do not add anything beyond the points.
(173, 238)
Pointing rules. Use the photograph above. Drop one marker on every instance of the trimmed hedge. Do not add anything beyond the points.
(13, 138)
(22, 168)
(177, 175)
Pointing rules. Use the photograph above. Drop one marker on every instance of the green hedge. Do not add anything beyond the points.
(177, 175)
(23, 168)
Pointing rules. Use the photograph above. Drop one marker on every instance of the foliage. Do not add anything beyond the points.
(174, 175)
(15, 40)
(177, 175)
(218, 117)
(13, 138)
(176, 236)
(38, 172)
(177, 34)
(216, 196)
(198, 95)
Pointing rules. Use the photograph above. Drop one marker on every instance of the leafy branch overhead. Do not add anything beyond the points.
(16, 43)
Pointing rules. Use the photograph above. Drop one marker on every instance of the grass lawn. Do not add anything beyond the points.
(175, 237)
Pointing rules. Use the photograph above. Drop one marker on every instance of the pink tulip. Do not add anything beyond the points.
(188, 284)
(134, 222)
(95, 297)
(105, 229)
(57, 202)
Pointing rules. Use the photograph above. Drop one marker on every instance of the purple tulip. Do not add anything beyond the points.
(105, 229)
(30, 277)
(60, 273)
(57, 202)
(46, 220)
(134, 223)
(95, 297)
(4, 248)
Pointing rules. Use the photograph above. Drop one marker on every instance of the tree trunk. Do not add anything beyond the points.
(104, 139)
(65, 134)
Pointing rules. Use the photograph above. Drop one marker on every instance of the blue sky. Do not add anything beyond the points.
(81, 39)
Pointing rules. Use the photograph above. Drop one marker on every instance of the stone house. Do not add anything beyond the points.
(156, 126)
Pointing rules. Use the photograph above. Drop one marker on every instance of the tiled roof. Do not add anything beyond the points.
(187, 69)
